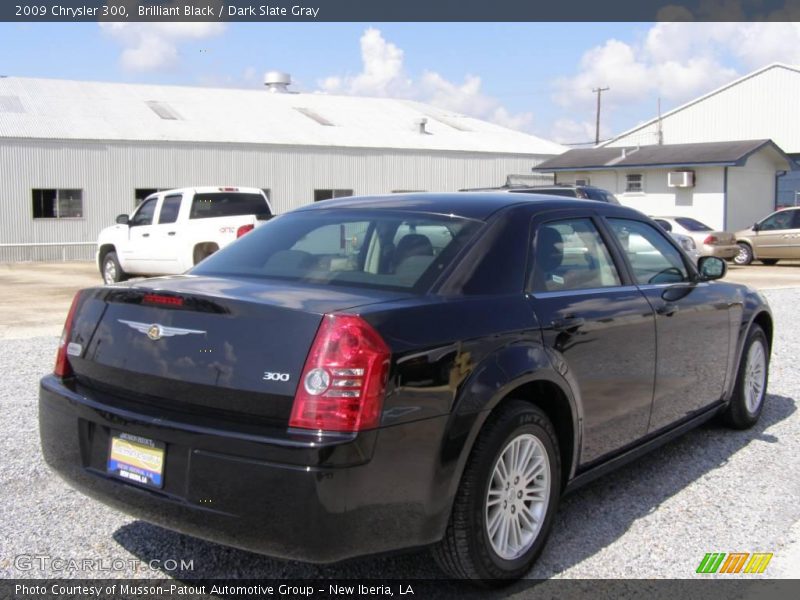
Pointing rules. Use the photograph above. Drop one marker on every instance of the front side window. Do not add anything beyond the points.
(144, 216)
(634, 182)
(57, 204)
(373, 248)
(780, 220)
(653, 259)
(571, 255)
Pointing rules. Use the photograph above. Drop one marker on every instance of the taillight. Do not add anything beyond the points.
(162, 300)
(63, 368)
(244, 229)
(711, 239)
(344, 378)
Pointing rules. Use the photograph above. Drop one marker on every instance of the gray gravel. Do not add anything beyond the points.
(714, 490)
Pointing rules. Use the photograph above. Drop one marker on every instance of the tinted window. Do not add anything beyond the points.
(378, 249)
(552, 192)
(144, 216)
(691, 224)
(653, 258)
(169, 209)
(665, 225)
(571, 255)
(227, 204)
(780, 220)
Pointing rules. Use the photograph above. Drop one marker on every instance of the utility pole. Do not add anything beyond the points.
(598, 91)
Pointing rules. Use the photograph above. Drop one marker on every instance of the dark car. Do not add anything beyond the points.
(374, 374)
(584, 192)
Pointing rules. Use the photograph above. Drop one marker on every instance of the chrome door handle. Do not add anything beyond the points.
(145, 235)
(170, 233)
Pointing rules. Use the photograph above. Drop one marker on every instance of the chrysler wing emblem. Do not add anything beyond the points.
(155, 331)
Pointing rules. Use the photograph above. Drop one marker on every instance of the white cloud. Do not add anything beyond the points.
(383, 74)
(154, 46)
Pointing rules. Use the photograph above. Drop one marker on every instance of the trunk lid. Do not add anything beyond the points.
(232, 349)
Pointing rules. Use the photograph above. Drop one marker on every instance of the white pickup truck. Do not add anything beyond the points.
(174, 230)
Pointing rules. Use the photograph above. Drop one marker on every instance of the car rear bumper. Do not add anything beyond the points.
(727, 251)
(291, 498)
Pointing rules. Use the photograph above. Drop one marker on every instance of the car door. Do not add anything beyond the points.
(778, 236)
(166, 236)
(693, 326)
(599, 326)
(140, 251)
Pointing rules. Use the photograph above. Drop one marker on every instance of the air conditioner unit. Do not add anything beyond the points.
(582, 181)
(680, 179)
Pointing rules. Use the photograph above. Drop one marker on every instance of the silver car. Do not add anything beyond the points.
(708, 241)
(770, 239)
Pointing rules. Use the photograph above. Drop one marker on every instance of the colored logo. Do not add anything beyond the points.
(734, 562)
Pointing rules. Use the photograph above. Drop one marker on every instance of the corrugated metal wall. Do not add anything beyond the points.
(108, 174)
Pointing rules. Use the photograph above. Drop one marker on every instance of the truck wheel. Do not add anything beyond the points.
(203, 251)
(112, 272)
(747, 400)
(505, 503)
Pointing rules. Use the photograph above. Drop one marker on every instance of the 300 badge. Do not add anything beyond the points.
(269, 376)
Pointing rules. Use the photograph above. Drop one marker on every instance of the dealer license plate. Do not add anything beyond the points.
(136, 459)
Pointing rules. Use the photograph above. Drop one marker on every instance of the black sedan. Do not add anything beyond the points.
(372, 374)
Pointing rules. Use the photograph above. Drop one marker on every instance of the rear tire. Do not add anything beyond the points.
(769, 261)
(111, 270)
(504, 506)
(747, 400)
(745, 256)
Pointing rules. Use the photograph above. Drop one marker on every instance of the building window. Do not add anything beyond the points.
(57, 204)
(328, 194)
(634, 182)
(140, 194)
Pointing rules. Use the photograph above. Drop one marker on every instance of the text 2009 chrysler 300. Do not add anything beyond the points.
(371, 374)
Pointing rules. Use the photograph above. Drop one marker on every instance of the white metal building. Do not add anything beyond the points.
(75, 154)
(764, 104)
(727, 185)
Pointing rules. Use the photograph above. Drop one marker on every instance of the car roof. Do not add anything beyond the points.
(471, 205)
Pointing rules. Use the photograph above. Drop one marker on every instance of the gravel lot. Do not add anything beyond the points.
(712, 490)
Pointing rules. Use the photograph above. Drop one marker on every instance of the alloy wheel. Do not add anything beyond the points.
(755, 376)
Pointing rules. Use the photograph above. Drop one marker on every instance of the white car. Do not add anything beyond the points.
(173, 230)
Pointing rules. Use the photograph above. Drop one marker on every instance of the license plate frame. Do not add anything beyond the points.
(136, 459)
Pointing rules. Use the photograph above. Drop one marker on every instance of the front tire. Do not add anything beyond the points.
(504, 506)
(112, 271)
(745, 256)
(747, 400)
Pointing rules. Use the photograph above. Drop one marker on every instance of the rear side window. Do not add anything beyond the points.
(691, 224)
(169, 209)
(571, 255)
(227, 204)
(376, 249)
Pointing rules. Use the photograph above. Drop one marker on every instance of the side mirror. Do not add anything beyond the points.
(122, 219)
(712, 267)
(756, 226)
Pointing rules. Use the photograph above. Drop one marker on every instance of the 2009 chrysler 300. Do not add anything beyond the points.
(371, 374)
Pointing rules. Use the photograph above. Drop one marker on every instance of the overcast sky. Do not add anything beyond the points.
(536, 77)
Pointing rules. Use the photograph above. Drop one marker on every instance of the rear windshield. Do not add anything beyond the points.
(376, 249)
(228, 204)
(691, 224)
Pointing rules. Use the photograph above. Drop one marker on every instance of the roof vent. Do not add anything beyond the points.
(277, 82)
(163, 110)
(421, 123)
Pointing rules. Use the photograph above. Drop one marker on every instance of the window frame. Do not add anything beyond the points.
(641, 183)
(56, 216)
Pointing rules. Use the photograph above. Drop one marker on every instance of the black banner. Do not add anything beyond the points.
(728, 588)
(399, 10)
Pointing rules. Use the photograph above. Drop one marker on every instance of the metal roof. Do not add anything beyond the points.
(667, 155)
(80, 110)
